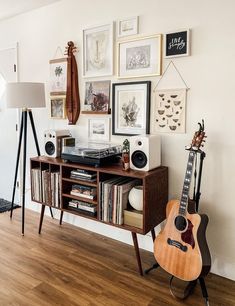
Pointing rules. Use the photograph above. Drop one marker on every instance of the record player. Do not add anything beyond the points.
(91, 153)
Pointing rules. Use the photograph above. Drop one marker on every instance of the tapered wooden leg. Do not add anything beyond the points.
(153, 234)
(137, 252)
(61, 216)
(41, 218)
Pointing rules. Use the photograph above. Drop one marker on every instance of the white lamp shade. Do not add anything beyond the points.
(25, 95)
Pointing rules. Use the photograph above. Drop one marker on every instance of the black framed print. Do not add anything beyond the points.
(131, 108)
(177, 43)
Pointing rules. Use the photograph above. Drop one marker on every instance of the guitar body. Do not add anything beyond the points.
(185, 253)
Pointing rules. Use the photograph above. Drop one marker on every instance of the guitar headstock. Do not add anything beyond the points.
(198, 138)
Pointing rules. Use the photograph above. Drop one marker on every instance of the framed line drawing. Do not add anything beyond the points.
(58, 76)
(98, 51)
(128, 26)
(97, 97)
(177, 43)
(57, 107)
(140, 57)
(169, 111)
(131, 108)
(99, 129)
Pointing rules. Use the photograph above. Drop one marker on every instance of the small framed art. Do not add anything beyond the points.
(98, 51)
(140, 57)
(57, 107)
(99, 129)
(97, 97)
(177, 43)
(58, 76)
(128, 26)
(131, 106)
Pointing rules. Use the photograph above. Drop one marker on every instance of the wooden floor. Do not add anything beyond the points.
(70, 266)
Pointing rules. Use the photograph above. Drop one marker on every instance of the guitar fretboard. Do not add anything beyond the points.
(186, 186)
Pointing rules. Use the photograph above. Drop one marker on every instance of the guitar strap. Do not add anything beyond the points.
(187, 291)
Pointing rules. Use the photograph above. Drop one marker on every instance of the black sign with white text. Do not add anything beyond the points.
(177, 43)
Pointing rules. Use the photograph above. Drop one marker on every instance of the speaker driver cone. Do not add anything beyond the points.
(139, 159)
(50, 148)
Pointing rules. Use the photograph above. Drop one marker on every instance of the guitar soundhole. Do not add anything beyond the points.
(180, 223)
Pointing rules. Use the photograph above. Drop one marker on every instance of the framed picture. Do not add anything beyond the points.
(58, 76)
(140, 57)
(128, 26)
(99, 129)
(177, 43)
(131, 105)
(98, 51)
(97, 97)
(57, 107)
(169, 111)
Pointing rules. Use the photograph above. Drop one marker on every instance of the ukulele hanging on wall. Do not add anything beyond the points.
(72, 92)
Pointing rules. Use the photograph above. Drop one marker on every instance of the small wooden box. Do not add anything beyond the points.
(133, 218)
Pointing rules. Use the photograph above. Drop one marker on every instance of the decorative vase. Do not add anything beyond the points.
(136, 197)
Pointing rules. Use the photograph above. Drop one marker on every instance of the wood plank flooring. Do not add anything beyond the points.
(69, 266)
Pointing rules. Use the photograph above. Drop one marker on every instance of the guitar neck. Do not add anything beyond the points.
(187, 182)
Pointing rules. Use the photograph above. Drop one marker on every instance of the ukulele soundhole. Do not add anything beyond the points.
(181, 223)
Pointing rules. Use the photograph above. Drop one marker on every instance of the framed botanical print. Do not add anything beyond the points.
(98, 51)
(57, 107)
(140, 57)
(131, 107)
(177, 43)
(99, 129)
(58, 76)
(97, 97)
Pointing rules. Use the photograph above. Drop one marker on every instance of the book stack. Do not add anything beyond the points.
(80, 174)
(36, 184)
(114, 198)
(83, 207)
(86, 192)
(55, 189)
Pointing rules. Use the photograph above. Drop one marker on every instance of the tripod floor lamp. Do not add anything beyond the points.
(24, 96)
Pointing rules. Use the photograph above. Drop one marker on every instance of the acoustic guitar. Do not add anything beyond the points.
(181, 247)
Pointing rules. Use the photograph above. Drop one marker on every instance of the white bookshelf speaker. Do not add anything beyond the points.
(145, 152)
(53, 142)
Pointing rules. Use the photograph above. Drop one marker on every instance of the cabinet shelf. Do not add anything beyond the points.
(82, 182)
(67, 195)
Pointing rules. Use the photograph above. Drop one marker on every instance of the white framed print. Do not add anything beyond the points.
(57, 107)
(140, 57)
(98, 51)
(99, 129)
(128, 26)
(177, 43)
(58, 76)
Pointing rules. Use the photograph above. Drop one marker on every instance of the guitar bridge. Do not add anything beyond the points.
(177, 244)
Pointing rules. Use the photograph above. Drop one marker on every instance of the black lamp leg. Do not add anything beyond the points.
(17, 162)
(24, 169)
(36, 142)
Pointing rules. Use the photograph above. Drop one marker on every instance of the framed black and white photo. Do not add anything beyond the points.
(57, 107)
(99, 129)
(131, 107)
(97, 97)
(128, 26)
(177, 43)
(58, 76)
(140, 57)
(98, 51)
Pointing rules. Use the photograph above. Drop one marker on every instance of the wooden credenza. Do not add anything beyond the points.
(155, 192)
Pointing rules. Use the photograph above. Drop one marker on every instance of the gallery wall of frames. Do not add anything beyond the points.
(119, 50)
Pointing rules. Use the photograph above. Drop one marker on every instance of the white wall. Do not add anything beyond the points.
(209, 73)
